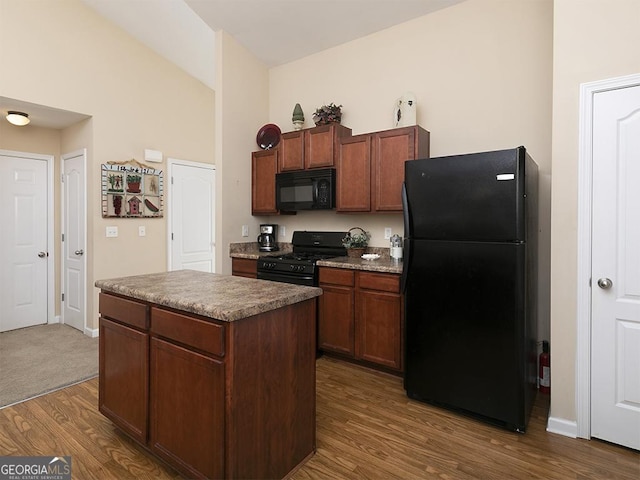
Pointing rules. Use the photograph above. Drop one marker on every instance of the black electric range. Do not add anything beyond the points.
(299, 266)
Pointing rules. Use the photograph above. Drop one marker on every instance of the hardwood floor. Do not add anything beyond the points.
(366, 428)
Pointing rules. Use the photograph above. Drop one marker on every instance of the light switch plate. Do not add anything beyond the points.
(245, 230)
(111, 232)
(142, 231)
(387, 233)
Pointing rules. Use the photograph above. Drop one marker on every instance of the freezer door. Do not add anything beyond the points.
(477, 197)
(465, 328)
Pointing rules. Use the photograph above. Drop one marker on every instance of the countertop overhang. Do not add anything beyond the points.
(212, 295)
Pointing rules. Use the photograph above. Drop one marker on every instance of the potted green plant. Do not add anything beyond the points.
(356, 241)
(328, 114)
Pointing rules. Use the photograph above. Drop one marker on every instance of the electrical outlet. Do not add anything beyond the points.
(283, 231)
(387, 233)
(142, 231)
(245, 230)
(111, 232)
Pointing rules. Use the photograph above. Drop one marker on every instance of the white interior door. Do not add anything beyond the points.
(74, 243)
(191, 216)
(615, 348)
(24, 261)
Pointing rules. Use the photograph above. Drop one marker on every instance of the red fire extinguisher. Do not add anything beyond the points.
(545, 368)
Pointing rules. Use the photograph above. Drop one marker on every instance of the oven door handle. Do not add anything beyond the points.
(307, 280)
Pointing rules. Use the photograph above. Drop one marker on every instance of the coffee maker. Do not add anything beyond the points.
(267, 240)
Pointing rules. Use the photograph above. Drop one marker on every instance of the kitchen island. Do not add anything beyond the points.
(213, 374)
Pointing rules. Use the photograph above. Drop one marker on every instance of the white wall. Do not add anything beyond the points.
(481, 71)
(73, 59)
(593, 40)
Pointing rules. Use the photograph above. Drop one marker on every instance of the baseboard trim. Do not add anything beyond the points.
(55, 319)
(91, 332)
(561, 426)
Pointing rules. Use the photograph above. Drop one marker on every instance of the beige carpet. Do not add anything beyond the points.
(40, 359)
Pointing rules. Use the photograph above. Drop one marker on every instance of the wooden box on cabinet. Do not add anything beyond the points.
(311, 148)
(264, 166)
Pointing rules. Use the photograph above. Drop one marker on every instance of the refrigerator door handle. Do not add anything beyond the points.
(405, 265)
(405, 210)
(407, 242)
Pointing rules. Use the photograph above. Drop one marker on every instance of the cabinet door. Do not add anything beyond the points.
(124, 378)
(319, 144)
(336, 320)
(353, 174)
(292, 151)
(187, 410)
(391, 149)
(378, 328)
(244, 267)
(264, 166)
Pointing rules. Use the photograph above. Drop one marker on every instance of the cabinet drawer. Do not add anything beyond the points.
(380, 281)
(125, 311)
(337, 276)
(199, 334)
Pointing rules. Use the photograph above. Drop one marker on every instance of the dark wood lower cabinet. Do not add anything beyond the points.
(244, 267)
(126, 350)
(182, 382)
(360, 316)
(213, 399)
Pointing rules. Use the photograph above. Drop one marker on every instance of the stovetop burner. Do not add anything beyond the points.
(299, 266)
(300, 257)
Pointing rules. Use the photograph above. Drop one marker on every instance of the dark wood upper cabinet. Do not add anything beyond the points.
(390, 149)
(353, 170)
(370, 168)
(264, 166)
(311, 148)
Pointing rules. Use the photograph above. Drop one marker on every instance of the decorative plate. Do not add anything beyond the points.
(370, 256)
(268, 136)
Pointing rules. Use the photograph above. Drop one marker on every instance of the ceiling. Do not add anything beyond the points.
(275, 31)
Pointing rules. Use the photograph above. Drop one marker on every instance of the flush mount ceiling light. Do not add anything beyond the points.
(18, 118)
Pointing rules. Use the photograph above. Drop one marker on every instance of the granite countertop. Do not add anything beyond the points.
(385, 264)
(213, 295)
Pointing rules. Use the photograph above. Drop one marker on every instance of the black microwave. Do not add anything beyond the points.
(306, 190)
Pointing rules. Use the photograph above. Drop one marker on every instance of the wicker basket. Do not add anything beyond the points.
(355, 252)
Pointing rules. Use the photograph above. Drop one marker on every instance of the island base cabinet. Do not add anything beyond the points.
(124, 377)
(213, 399)
(182, 381)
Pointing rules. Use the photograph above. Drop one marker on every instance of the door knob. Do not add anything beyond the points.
(42, 254)
(79, 252)
(605, 283)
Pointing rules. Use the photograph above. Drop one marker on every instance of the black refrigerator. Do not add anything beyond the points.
(470, 277)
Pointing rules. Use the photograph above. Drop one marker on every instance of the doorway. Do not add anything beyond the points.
(74, 233)
(608, 327)
(191, 215)
(26, 240)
